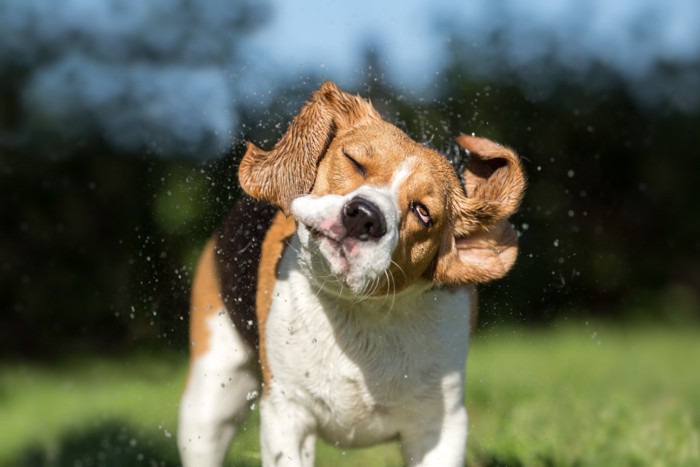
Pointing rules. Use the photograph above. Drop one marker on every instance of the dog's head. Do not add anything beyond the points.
(377, 211)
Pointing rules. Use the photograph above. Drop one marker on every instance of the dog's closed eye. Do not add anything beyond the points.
(359, 168)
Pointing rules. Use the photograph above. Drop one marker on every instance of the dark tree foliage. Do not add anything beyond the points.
(608, 224)
(104, 204)
(98, 247)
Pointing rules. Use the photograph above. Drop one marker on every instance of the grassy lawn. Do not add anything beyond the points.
(572, 395)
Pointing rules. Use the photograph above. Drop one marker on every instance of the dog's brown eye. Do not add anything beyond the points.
(359, 168)
(422, 214)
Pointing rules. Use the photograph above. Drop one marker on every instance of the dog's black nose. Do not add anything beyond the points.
(363, 220)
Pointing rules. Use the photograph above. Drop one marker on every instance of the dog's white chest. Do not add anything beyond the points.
(364, 369)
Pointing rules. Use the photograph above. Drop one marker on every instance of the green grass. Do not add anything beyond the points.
(588, 395)
(572, 395)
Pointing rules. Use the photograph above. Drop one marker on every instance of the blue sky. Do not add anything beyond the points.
(328, 36)
(166, 75)
(628, 36)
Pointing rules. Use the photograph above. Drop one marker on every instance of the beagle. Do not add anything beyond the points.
(345, 286)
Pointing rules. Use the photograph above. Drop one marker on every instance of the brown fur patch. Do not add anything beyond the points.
(482, 245)
(205, 302)
(273, 246)
(495, 181)
(289, 169)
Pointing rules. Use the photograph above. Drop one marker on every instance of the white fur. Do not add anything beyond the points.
(359, 263)
(221, 383)
(359, 373)
(401, 175)
(352, 368)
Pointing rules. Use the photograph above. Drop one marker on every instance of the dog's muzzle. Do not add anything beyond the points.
(363, 220)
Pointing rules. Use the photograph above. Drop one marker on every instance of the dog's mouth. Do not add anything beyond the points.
(316, 233)
(333, 241)
(334, 249)
(344, 242)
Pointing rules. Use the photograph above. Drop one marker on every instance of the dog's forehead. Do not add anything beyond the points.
(390, 146)
(382, 137)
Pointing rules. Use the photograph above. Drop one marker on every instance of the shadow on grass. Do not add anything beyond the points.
(110, 444)
(490, 459)
(495, 461)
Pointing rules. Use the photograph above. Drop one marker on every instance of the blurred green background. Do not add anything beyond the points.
(121, 126)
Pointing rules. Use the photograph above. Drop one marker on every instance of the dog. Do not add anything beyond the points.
(345, 284)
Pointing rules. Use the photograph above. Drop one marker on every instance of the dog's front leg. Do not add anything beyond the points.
(437, 444)
(287, 432)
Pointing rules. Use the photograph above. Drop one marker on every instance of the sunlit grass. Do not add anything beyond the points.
(586, 395)
(84, 402)
(575, 395)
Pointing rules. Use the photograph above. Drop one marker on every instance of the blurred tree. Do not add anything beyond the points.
(607, 224)
(99, 234)
(106, 110)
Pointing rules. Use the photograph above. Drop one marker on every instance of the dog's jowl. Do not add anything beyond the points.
(341, 291)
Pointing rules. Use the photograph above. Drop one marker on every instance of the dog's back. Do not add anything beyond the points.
(238, 244)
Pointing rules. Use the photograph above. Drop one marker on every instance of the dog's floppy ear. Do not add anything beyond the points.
(289, 169)
(482, 245)
(494, 181)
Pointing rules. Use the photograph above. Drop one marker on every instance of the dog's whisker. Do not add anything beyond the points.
(368, 288)
(398, 266)
(392, 289)
(388, 287)
(377, 284)
(321, 287)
